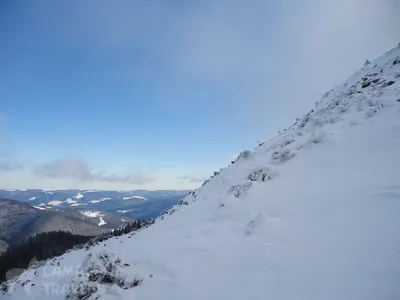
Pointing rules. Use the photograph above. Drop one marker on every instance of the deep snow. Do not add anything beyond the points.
(310, 214)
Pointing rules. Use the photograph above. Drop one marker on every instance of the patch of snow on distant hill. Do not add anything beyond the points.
(102, 222)
(70, 201)
(101, 200)
(38, 207)
(55, 202)
(78, 204)
(91, 214)
(134, 197)
(124, 211)
(78, 196)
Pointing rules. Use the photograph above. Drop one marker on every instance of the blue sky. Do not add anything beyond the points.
(158, 94)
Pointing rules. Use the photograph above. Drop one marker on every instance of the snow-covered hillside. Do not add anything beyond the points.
(310, 214)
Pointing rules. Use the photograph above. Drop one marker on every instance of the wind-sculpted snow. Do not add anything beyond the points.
(310, 214)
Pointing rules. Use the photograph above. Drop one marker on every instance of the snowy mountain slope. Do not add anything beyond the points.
(310, 214)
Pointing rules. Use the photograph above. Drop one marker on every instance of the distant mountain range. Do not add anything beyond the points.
(19, 220)
(139, 204)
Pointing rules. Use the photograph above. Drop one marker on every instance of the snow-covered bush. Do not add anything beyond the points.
(96, 240)
(261, 174)
(344, 108)
(282, 155)
(183, 202)
(318, 137)
(304, 121)
(244, 154)
(205, 182)
(4, 287)
(372, 111)
(272, 147)
(98, 273)
(240, 189)
(257, 223)
(287, 141)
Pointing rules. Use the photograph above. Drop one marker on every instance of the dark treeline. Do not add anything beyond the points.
(118, 232)
(49, 244)
(41, 247)
(129, 227)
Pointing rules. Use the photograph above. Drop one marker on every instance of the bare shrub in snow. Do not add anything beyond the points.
(282, 155)
(261, 174)
(98, 273)
(239, 189)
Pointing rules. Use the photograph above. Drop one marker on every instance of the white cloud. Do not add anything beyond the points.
(191, 178)
(80, 170)
(10, 166)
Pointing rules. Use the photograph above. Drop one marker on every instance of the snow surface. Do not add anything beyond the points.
(32, 198)
(323, 223)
